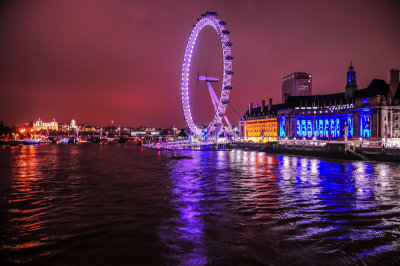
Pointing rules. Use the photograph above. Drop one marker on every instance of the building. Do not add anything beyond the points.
(371, 113)
(175, 130)
(367, 114)
(73, 125)
(40, 125)
(391, 113)
(296, 84)
(85, 127)
(259, 124)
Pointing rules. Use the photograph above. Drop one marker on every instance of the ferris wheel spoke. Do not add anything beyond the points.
(214, 97)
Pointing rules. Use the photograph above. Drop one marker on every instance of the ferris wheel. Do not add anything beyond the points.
(213, 128)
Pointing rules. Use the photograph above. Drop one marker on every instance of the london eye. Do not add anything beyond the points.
(207, 69)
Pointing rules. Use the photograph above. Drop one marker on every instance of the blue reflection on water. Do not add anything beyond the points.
(343, 194)
(243, 203)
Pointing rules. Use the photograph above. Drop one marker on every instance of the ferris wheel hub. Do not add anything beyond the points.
(207, 79)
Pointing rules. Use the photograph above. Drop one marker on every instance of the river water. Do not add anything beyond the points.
(119, 204)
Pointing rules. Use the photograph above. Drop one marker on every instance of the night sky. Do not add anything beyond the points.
(98, 61)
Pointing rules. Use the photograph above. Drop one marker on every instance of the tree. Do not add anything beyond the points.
(183, 134)
(164, 132)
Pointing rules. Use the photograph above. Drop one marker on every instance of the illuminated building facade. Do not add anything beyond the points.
(390, 114)
(259, 124)
(85, 127)
(296, 84)
(327, 117)
(40, 125)
(73, 125)
(260, 130)
(365, 114)
(371, 113)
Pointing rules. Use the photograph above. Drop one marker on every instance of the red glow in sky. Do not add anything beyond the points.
(97, 61)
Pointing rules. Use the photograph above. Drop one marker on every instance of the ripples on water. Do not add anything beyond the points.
(119, 204)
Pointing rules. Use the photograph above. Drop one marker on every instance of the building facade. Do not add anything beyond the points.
(296, 84)
(372, 113)
(261, 130)
(259, 124)
(40, 125)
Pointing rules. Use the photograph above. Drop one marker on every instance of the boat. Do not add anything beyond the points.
(181, 157)
(31, 142)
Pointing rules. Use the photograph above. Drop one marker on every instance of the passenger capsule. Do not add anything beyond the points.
(228, 44)
(211, 13)
(229, 57)
(222, 23)
(228, 88)
(229, 72)
(226, 32)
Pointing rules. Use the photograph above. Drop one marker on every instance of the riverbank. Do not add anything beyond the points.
(332, 150)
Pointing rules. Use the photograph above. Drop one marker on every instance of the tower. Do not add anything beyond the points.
(351, 85)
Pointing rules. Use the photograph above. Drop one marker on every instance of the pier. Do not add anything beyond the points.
(188, 145)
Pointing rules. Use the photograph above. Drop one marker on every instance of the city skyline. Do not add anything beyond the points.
(121, 61)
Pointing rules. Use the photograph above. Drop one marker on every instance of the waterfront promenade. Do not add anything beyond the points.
(352, 150)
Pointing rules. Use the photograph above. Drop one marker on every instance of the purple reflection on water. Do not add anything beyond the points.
(184, 233)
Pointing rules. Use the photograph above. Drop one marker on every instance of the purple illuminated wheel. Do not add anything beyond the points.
(209, 19)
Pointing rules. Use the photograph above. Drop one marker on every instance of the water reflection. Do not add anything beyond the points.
(24, 203)
(123, 205)
(184, 233)
(336, 203)
(335, 206)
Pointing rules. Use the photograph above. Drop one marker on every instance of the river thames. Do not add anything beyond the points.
(118, 204)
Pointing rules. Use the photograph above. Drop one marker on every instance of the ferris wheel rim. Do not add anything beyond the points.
(208, 19)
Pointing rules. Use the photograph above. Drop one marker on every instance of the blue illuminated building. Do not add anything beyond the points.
(369, 113)
(352, 114)
(282, 129)
(349, 126)
(323, 127)
(365, 123)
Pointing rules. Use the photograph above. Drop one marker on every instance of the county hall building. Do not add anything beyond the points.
(371, 113)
